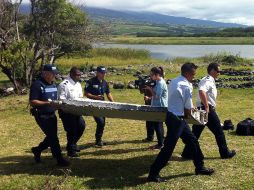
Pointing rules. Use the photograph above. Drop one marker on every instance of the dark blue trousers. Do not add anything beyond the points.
(100, 121)
(149, 130)
(48, 124)
(158, 128)
(214, 125)
(176, 128)
(74, 126)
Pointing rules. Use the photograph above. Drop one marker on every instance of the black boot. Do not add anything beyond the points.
(37, 154)
(156, 178)
(204, 171)
(230, 154)
(99, 144)
(72, 153)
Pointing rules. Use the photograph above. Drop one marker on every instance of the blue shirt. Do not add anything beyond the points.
(179, 96)
(96, 87)
(41, 90)
(161, 94)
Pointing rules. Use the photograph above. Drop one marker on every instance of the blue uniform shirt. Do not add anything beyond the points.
(41, 90)
(179, 96)
(161, 94)
(96, 87)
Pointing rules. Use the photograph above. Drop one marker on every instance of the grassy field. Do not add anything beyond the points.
(182, 40)
(124, 163)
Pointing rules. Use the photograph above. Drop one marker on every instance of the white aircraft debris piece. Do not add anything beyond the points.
(98, 108)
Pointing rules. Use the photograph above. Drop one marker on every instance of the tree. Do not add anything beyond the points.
(10, 42)
(53, 28)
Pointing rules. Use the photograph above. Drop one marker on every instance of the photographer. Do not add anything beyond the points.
(158, 98)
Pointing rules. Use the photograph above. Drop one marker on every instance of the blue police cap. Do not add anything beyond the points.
(101, 69)
(50, 68)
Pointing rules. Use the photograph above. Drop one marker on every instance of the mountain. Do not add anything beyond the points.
(152, 18)
(149, 24)
(144, 17)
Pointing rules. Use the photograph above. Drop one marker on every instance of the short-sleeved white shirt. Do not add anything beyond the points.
(207, 84)
(69, 90)
(179, 95)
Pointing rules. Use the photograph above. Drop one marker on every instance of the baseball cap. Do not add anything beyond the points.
(101, 69)
(50, 68)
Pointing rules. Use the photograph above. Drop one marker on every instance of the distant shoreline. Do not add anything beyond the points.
(183, 40)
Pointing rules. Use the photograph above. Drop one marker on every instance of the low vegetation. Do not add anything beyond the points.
(124, 163)
(182, 40)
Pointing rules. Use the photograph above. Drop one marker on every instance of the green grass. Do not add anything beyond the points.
(182, 40)
(125, 162)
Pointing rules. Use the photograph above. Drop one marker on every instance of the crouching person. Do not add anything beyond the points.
(43, 111)
(74, 125)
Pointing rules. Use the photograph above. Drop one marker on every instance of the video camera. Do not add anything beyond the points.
(144, 81)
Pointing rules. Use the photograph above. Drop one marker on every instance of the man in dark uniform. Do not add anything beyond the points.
(207, 101)
(179, 106)
(95, 89)
(41, 92)
(74, 125)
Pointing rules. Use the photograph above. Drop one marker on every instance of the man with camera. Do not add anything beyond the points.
(159, 98)
(142, 83)
(95, 89)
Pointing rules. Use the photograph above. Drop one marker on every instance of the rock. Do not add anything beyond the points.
(118, 85)
(9, 90)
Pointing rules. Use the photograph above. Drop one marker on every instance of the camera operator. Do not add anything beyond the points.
(159, 98)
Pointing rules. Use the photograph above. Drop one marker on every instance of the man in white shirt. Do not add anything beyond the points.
(207, 101)
(179, 107)
(70, 89)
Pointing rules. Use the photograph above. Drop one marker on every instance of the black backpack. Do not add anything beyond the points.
(245, 127)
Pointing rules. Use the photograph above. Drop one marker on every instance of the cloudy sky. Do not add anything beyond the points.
(233, 11)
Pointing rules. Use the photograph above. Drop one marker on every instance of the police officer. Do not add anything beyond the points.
(43, 111)
(207, 101)
(95, 89)
(179, 106)
(70, 89)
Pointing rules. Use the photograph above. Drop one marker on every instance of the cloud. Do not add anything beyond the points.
(233, 11)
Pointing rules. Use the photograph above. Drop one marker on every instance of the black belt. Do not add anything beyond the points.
(177, 116)
(210, 106)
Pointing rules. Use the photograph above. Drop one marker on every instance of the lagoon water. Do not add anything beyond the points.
(188, 51)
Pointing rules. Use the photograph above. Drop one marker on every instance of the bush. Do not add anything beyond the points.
(120, 53)
(226, 59)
